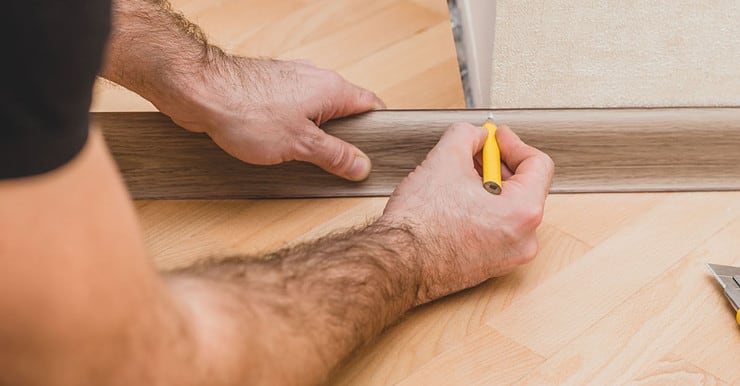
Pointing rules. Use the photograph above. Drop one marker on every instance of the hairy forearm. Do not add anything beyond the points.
(284, 319)
(291, 317)
(152, 49)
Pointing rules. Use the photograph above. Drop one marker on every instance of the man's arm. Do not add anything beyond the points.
(291, 317)
(81, 303)
(260, 111)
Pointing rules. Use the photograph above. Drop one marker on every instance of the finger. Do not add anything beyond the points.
(478, 159)
(531, 180)
(306, 62)
(506, 173)
(349, 99)
(357, 100)
(332, 154)
(513, 149)
(532, 168)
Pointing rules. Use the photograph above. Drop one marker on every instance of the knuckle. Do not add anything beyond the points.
(306, 62)
(511, 235)
(526, 219)
(547, 162)
(366, 96)
(307, 142)
(458, 135)
(460, 127)
(340, 159)
(528, 251)
(317, 147)
(531, 216)
(332, 79)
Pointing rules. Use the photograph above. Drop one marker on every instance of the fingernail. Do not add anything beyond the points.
(360, 167)
(379, 105)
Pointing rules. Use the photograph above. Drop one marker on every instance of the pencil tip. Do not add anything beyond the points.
(490, 115)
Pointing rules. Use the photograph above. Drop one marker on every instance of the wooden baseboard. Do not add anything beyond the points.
(595, 150)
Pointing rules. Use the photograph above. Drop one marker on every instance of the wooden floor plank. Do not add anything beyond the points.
(610, 273)
(484, 358)
(305, 25)
(674, 371)
(579, 223)
(713, 345)
(434, 5)
(714, 351)
(353, 43)
(399, 62)
(675, 307)
(193, 8)
(226, 31)
(606, 150)
(414, 92)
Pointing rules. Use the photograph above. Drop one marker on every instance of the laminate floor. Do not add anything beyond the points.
(618, 293)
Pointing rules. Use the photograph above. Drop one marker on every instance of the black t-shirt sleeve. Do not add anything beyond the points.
(51, 53)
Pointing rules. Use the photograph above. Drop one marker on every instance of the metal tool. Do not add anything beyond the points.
(729, 278)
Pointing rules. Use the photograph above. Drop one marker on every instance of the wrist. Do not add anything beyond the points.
(427, 250)
(186, 90)
(407, 251)
(157, 53)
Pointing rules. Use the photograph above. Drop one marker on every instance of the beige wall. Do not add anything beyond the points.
(580, 53)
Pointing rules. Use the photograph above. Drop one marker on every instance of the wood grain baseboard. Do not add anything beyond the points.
(595, 150)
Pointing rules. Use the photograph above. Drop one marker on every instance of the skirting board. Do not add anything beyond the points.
(595, 150)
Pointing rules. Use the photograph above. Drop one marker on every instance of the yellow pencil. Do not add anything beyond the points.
(491, 159)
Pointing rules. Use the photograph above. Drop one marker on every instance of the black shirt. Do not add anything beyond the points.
(51, 53)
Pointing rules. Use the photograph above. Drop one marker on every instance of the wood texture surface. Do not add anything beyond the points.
(595, 150)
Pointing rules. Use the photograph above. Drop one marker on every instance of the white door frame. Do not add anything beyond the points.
(473, 25)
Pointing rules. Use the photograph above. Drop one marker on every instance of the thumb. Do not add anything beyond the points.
(333, 155)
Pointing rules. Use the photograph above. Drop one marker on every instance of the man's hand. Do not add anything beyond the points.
(465, 234)
(267, 112)
(260, 111)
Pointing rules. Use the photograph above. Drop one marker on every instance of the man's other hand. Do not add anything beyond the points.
(267, 112)
(466, 235)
